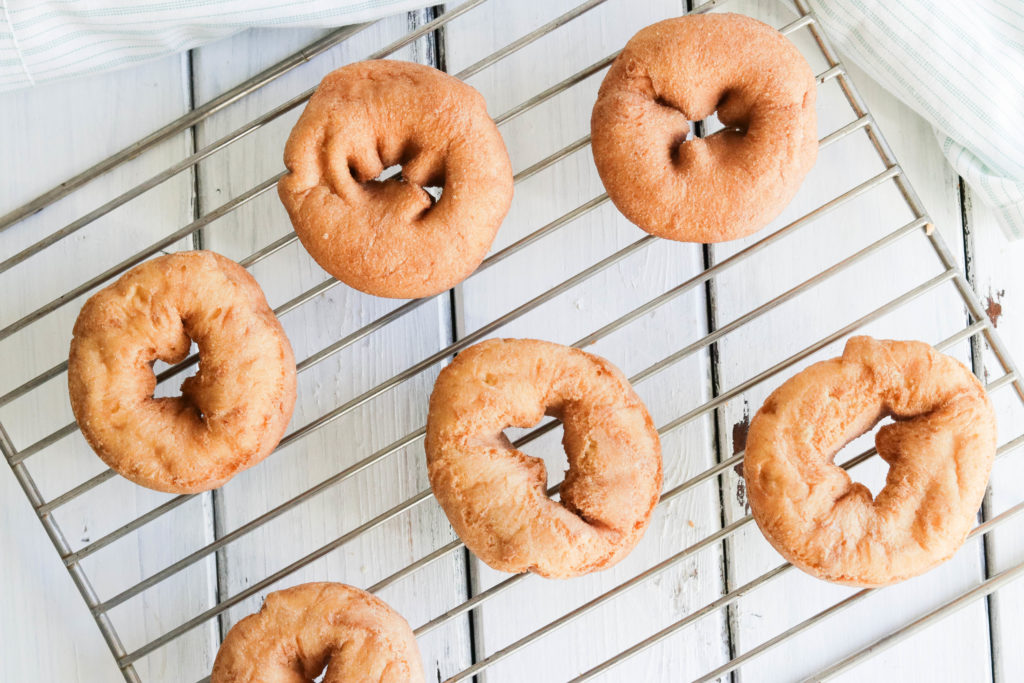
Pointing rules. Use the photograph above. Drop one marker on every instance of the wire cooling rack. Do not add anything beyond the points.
(914, 236)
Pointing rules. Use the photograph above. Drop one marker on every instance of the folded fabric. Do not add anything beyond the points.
(45, 40)
(961, 66)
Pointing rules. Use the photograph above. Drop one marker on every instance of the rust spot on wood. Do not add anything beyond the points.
(739, 434)
(739, 444)
(994, 306)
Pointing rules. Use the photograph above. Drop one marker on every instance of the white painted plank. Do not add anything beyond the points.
(688, 451)
(1000, 283)
(375, 554)
(47, 134)
(956, 649)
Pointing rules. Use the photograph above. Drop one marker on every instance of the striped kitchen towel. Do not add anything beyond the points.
(45, 40)
(959, 64)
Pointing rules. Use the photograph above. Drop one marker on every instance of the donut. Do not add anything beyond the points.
(726, 185)
(939, 449)
(390, 237)
(231, 413)
(302, 630)
(495, 496)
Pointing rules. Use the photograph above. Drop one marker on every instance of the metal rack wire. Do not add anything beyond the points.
(19, 457)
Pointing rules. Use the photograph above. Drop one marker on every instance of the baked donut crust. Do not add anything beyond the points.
(299, 631)
(940, 451)
(726, 185)
(231, 413)
(390, 238)
(495, 496)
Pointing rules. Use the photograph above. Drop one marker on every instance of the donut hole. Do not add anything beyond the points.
(725, 117)
(684, 128)
(730, 114)
(871, 472)
(409, 166)
(704, 128)
(551, 448)
(174, 388)
(174, 391)
(714, 125)
(547, 449)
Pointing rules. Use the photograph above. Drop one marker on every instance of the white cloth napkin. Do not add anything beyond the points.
(959, 64)
(46, 40)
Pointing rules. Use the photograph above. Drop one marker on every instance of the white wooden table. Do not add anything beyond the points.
(49, 133)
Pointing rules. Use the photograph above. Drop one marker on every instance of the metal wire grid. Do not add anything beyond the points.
(979, 328)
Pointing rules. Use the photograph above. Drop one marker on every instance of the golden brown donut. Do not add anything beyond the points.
(390, 238)
(939, 450)
(729, 184)
(300, 631)
(495, 496)
(230, 414)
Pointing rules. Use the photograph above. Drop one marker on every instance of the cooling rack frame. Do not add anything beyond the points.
(978, 328)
